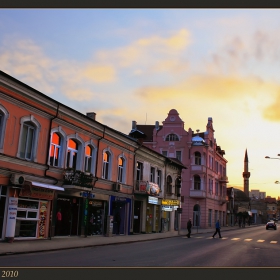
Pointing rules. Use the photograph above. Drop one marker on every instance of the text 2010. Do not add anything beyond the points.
(9, 273)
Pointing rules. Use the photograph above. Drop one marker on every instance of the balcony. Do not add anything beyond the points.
(78, 178)
(223, 179)
(222, 200)
(147, 187)
(198, 193)
(198, 168)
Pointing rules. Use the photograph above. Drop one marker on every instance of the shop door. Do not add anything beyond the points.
(119, 215)
(149, 218)
(96, 218)
(2, 211)
(136, 220)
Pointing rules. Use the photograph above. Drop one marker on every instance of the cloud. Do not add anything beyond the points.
(149, 53)
(100, 73)
(272, 111)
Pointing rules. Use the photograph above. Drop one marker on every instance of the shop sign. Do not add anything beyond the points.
(152, 188)
(170, 202)
(37, 192)
(166, 208)
(152, 200)
(12, 214)
(118, 198)
(42, 219)
(87, 194)
(96, 203)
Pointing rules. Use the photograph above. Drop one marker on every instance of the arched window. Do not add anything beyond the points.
(172, 137)
(88, 158)
(29, 137)
(197, 182)
(3, 120)
(121, 170)
(106, 165)
(72, 154)
(55, 149)
(197, 158)
(169, 184)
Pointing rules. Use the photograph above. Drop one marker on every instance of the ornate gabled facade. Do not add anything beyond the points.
(204, 181)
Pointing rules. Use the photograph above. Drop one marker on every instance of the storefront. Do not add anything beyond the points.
(169, 220)
(3, 198)
(120, 209)
(29, 213)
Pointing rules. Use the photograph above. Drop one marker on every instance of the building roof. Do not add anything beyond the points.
(148, 130)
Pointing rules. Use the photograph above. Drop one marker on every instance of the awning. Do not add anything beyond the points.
(41, 185)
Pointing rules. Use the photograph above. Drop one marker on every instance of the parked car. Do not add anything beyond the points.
(271, 224)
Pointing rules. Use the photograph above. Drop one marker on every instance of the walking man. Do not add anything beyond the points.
(189, 228)
(217, 229)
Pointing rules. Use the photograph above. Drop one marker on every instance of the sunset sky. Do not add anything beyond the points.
(138, 64)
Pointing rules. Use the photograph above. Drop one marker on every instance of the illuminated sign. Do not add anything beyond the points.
(171, 202)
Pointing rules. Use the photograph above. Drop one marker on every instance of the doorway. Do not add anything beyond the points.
(137, 217)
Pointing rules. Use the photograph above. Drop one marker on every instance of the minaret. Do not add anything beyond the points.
(246, 174)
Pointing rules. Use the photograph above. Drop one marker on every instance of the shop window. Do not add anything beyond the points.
(172, 137)
(106, 170)
(197, 182)
(3, 120)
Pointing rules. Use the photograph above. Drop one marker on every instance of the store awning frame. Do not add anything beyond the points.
(46, 186)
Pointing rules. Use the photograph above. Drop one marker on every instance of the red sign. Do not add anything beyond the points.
(37, 192)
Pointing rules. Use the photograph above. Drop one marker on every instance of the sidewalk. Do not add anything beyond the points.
(71, 242)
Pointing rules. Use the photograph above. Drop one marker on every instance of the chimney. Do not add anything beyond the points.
(134, 125)
(91, 115)
(157, 125)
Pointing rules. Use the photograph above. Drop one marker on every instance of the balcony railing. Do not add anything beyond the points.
(198, 193)
(223, 179)
(78, 178)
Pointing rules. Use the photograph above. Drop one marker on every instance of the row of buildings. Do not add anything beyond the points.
(55, 159)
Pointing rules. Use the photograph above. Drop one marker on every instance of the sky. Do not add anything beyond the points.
(137, 64)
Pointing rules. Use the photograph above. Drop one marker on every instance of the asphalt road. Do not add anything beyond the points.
(249, 247)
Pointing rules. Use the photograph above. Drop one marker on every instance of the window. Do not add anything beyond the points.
(152, 175)
(164, 153)
(55, 150)
(72, 153)
(139, 171)
(216, 188)
(28, 140)
(159, 178)
(178, 155)
(88, 159)
(210, 186)
(3, 120)
(172, 137)
(217, 166)
(121, 170)
(169, 184)
(197, 158)
(197, 182)
(106, 165)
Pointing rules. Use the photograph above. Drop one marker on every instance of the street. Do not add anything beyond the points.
(249, 247)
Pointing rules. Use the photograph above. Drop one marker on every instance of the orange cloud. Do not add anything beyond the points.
(272, 112)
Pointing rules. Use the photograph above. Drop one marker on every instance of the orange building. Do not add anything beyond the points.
(55, 159)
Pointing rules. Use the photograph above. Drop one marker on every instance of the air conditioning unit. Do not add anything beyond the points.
(117, 187)
(17, 179)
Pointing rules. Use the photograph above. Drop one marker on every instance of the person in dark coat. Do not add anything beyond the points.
(189, 228)
(217, 229)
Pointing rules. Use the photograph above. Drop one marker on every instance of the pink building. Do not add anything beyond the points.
(204, 181)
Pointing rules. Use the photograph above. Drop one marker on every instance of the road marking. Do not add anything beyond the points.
(248, 240)
(235, 238)
(209, 238)
(224, 238)
(260, 240)
(273, 242)
(199, 237)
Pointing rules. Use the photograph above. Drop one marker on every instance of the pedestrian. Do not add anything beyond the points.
(217, 229)
(58, 222)
(189, 228)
